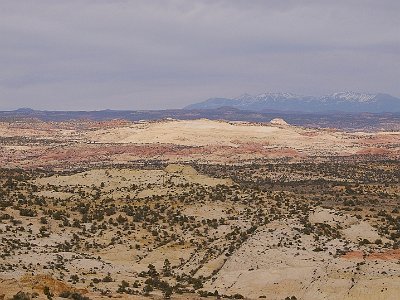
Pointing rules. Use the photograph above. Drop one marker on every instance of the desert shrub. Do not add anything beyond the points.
(21, 296)
(73, 295)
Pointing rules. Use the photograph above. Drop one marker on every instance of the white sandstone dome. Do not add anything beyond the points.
(278, 121)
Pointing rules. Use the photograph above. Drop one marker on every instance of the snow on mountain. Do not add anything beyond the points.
(268, 97)
(339, 101)
(353, 96)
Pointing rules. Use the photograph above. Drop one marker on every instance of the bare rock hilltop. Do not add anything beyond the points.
(74, 144)
(279, 121)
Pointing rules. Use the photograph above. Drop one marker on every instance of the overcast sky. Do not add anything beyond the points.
(87, 54)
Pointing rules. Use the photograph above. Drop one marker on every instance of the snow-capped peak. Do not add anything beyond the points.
(353, 96)
(340, 101)
(277, 95)
(267, 96)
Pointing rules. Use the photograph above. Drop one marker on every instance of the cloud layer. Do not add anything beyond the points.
(88, 54)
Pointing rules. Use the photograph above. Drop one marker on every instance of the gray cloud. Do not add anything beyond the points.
(159, 54)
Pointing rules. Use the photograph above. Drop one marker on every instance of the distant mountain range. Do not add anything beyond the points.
(342, 120)
(342, 101)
